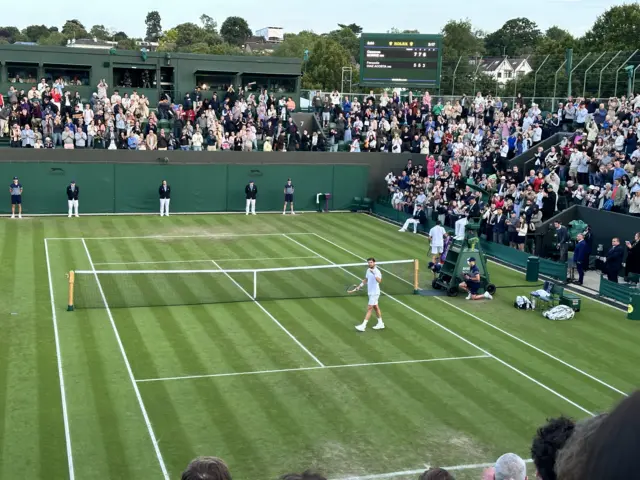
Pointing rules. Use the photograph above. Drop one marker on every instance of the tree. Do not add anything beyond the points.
(348, 40)
(357, 29)
(154, 26)
(209, 24)
(616, 29)
(516, 37)
(168, 41)
(555, 42)
(54, 39)
(235, 30)
(11, 34)
(295, 44)
(33, 33)
(74, 29)
(120, 36)
(324, 68)
(188, 34)
(100, 32)
(461, 40)
(127, 44)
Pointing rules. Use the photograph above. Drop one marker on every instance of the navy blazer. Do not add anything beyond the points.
(581, 252)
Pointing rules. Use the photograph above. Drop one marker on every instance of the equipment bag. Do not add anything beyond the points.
(560, 312)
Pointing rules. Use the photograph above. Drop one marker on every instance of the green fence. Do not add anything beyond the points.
(133, 188)
(506, 254)
(621, 292)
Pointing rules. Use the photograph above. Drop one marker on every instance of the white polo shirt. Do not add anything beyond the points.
(373, 287)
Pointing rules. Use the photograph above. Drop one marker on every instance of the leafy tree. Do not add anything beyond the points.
(74, 29)
(295, 44)
(616, 29)
(209, 24)
(168, 41)
(357, 29)
(100, 32)
(188, 34)
(154, 26)
(224, 48)
(555, 42)
(348, 40)
(459, 39)
(33, 33)
(11, 34)
(119, 36)
(235, 30)
(54, 39)
(127, 44)
(324, 68)
(516, 37)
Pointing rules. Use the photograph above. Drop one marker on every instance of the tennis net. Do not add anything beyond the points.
(150, 288)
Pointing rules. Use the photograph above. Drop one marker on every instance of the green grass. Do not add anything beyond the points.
(355, 420)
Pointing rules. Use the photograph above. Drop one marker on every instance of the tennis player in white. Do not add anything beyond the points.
(372, 279)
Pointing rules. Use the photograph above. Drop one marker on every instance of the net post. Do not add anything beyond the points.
(255, 284)
(416, 276)
(72, 279)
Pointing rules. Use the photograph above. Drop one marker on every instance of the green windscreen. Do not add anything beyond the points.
(149, 288)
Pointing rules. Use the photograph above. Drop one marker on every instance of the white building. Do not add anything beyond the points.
(271, 34)
(504, 69)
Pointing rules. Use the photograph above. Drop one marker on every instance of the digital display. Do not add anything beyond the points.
(388, 60)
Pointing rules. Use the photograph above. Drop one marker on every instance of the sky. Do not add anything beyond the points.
(375, 16)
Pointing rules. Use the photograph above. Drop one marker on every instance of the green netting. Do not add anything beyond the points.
(126, 289)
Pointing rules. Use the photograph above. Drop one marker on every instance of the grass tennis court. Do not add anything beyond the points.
(275, 385)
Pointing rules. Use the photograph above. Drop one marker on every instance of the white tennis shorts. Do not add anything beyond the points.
(373, 299)
(436, 250)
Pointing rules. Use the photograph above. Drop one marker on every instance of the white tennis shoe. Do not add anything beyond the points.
(379, 326)
(361, 327)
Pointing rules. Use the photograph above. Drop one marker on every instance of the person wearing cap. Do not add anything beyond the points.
(250, 192)
(15, 189)
(165, 198)
(471, 282)
(73, 192)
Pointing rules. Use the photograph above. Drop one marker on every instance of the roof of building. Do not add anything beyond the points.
(491, 64)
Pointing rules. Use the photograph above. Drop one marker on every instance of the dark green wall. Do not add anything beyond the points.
(123, 188)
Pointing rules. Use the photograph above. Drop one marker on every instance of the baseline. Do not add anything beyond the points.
(154, 439)
(460, 337)
(162, 237)
(405, 473)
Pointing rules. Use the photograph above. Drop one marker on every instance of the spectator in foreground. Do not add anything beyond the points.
(508, 467)
(206, 468)
(436, 474)
(571, 459)
(549, 440)
(613, 451)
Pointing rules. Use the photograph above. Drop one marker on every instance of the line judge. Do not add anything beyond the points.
(165, 198)
(73, 193)
(250, 192)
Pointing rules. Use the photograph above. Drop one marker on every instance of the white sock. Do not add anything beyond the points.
(364, 322)
(379, 320)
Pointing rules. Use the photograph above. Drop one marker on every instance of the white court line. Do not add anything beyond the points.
(305, 369)
(270, 316)
(406, 473)
(469, 342)
(489, 324)
(65, 416)
(208, 260)
(154, 440)
(162, 237)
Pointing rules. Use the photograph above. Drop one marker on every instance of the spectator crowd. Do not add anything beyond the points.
(600, 447)
(470, 149)
(52, 115)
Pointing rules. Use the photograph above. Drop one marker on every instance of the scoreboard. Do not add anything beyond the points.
(410, 60)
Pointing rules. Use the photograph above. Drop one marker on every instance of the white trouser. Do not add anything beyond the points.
(251, 205)
(164, 206)
(460, 226)
(411, 221)
(72, 204)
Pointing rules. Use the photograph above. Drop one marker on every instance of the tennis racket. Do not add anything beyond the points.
(353, 288)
